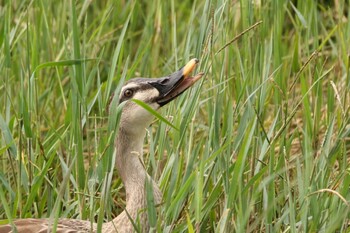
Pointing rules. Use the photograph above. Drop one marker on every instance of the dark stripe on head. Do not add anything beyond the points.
(140, 84)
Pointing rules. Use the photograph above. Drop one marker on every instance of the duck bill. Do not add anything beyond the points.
(175, 84)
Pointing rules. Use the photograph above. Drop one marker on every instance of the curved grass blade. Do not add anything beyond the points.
(154, 113)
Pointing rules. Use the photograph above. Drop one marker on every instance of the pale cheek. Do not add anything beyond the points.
(146, 95)
(143, 117)
(135, 117)
(155, 106)
(138, 118)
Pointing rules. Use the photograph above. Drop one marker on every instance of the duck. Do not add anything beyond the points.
(129, 140)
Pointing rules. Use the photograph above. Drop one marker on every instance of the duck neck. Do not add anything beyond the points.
(130, 166)
(129, 163)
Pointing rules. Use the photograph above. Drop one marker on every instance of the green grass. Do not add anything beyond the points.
(264, 140)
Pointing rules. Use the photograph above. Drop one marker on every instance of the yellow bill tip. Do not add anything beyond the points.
(190, 66)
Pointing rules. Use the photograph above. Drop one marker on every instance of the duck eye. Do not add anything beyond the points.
(128, 93)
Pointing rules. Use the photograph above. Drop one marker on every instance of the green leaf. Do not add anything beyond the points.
(153, 112)
(10, 143)
(151, 209)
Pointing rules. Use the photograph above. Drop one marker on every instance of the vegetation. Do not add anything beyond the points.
(263, 141)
